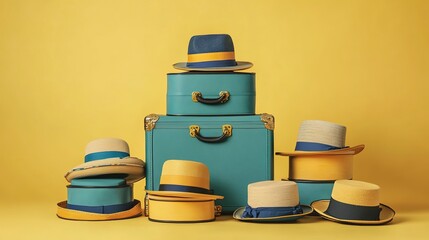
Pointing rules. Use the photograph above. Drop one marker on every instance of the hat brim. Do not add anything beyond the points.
(240, 66)
(344, 151)
(184, 195)
(386, 214)
(70, 214)
(286, 218)
(132, 168)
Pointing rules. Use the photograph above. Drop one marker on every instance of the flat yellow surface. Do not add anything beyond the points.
(38, 221)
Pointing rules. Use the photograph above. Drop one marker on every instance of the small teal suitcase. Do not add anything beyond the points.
(211, 93)
(234, 161)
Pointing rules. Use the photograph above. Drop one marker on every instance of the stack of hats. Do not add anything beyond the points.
(102, 187)
(320, 158)
(272, 201)
(184, 194)
(322, 166)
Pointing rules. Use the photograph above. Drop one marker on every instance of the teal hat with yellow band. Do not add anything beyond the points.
(212, 52)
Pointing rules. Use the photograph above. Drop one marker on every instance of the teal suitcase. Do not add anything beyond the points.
(211, 93)
(234, 161)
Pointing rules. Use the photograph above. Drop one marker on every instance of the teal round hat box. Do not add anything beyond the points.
(211, 93)
(99, 195)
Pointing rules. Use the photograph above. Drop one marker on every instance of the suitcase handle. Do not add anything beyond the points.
(194, 131)
(223, 98)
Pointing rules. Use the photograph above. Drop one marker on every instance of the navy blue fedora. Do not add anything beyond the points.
(212, 52)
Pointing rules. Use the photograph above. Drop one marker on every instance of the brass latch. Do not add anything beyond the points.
(218, 210)
(195, 129)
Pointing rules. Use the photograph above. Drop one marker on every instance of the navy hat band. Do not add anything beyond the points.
(265, 212)
(181, 188)
(313, 146)
(353, 212)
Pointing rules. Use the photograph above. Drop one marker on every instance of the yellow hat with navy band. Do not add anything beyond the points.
(186, 179)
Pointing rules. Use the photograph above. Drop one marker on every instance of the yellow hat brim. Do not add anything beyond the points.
(386, 214)
(344, 151)
(71, 214)
(133, 168)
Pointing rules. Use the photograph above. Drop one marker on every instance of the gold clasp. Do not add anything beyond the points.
(218, 210)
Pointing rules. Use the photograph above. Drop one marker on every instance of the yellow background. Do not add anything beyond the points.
(73, 71)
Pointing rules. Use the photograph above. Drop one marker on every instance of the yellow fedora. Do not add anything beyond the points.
(108, 156)
(185, 179)
(354, 202)
(320, 153)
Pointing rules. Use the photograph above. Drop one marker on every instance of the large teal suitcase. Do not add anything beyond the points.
(211, 93)
(234, 161)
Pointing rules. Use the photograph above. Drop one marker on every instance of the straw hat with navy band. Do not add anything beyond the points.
(320, 153)
(186, 179)
(213, 52)
(272, 201)
(320, 137)
(108, 157)
(354, 202)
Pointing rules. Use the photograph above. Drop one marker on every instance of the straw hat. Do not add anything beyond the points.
(320, 153)
(108, 156)
(213, 52)
(320, 137)
(272, 201)
(354, 202)
(182, 178)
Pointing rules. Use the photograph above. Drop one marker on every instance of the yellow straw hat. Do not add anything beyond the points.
(188, 179)
(354, 202)
(108, 156)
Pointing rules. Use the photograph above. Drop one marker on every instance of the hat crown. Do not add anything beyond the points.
(104, 148)
(322, 132)
(210, 43)
(186, 173)
(107, 144)
(356, 193)
(273, 194)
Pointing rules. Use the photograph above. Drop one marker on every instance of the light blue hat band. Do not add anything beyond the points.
(104, 155)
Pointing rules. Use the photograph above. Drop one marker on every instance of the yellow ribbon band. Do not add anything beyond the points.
(214, 56)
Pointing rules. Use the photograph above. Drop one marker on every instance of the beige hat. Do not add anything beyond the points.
(320, 137)
(320, 153)
(108, 156)
(272, 201)
(183, 178)
(354, 202)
